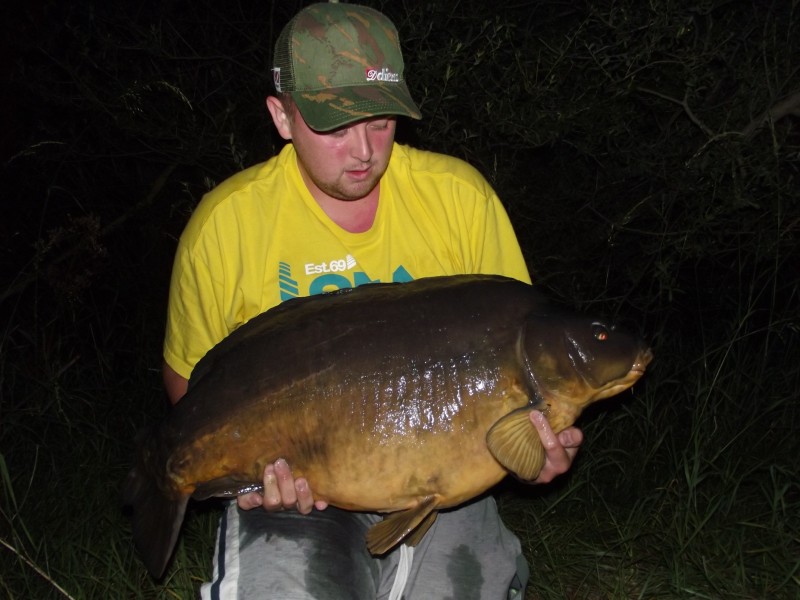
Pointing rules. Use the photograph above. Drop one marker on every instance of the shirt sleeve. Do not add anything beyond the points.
(195, 319)
(497, 250)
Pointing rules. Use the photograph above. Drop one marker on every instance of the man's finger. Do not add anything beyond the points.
(305, 501)
(283, 474)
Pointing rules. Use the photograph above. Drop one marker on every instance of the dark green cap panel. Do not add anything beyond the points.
(342, 63)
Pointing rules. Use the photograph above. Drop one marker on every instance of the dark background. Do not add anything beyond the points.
(647, 154)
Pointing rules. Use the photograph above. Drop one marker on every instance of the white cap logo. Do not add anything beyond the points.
(276, 78)
(383, 75)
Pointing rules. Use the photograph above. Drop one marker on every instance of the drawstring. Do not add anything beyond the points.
(403, 570)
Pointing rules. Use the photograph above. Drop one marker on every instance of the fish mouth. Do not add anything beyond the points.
(620, 385)
(632, 376)
(640, 364)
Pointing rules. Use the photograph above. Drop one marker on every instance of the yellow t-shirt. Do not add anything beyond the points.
(260, 238)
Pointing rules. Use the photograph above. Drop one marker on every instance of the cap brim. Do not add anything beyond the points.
(329, 108)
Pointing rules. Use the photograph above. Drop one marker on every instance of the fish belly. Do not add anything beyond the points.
(380, 454)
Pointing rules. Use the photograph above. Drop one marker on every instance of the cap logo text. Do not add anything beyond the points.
(383, 75)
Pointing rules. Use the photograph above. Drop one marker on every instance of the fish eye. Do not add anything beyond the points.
(599, 332)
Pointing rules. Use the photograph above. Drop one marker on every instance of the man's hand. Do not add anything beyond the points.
(282, 492)
(560, 450)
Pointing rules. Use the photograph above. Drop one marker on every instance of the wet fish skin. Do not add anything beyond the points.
(396, 398)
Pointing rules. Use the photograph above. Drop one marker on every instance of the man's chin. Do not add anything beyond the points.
(353, 191)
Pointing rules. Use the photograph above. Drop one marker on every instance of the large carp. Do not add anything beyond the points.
(394, 398)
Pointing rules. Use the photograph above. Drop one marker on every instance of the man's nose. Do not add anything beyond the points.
(361, 147)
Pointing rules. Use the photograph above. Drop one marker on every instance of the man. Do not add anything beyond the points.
(341, 205)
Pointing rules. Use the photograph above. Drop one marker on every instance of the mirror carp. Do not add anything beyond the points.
(398, 398)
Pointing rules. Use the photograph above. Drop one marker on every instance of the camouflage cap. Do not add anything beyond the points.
(342, 63)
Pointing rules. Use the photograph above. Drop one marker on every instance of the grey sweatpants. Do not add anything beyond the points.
(468, 553)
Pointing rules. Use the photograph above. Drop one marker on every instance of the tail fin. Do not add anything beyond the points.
(157, 517)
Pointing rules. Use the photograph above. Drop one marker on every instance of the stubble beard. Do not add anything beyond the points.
(352, 192)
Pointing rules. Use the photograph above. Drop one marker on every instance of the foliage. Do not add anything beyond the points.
(647, 153)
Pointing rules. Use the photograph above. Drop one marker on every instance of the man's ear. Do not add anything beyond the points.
(280, 117)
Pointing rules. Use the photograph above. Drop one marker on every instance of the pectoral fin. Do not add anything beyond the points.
(515, 443)
(409, 525)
